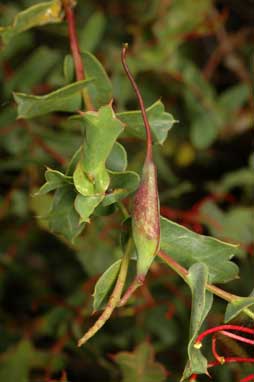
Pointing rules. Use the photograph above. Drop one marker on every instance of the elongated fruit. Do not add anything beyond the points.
(145, 218)
(145, 215)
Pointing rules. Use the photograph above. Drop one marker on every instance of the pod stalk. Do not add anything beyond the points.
(141, 104)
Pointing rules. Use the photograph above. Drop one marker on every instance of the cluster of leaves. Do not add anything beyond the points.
(54, 262)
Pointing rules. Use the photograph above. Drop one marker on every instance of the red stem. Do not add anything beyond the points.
(193, 377)
(238, 338)
(80, 74)
(173, 264)
(221, 328)
(248, 378)
(218, 357)
(231, 360)
(79, 68)
(141, 104)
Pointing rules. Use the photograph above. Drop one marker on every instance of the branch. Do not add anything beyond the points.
(183, 272)
(114, 298)
(79, 68)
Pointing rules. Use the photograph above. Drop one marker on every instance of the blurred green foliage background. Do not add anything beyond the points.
(197, 57)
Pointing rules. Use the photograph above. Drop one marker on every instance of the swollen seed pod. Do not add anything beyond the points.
(145, 216)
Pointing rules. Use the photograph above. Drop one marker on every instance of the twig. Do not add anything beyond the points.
(79, 68)
(183, 272)
(114, 298)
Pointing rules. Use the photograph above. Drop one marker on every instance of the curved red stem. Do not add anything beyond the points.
(248, 378)
(141, 103)
(221, 328)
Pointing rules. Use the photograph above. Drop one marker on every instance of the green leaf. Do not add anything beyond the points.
(160, 121)
(21, 43)
(68, 68)
(102, 130)
(188, 248)
(117, 159)
(140, 366)
(92, 33)
(100, 90)
(239, 178)
(7, 116)
(19, 203)
(121, 184)
(183, 18)
(43, 59)
(63, 99)
(41, 206)
(236, 307)
(204, 130)
(63, 219)
(16, 364)
(55, 179)
(235, 225)
(104, 285)
(100, 210)
(81, 181)
(37, 15)
(74, 161)
(201, 304)
(206, 126)
(85, 206)
(94, 259)
(231, 100)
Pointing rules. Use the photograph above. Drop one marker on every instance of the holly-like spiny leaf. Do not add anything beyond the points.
(188, 247)
(54, 179)
(83, 184)
(117, 159)
(235, 307)
(121, 185)
(85, 205)
(63, 218)
(140, 365)
(100, 90)
(201, 304)
(37, 15)
(160, 121)
(67, 98)
(101, 131)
